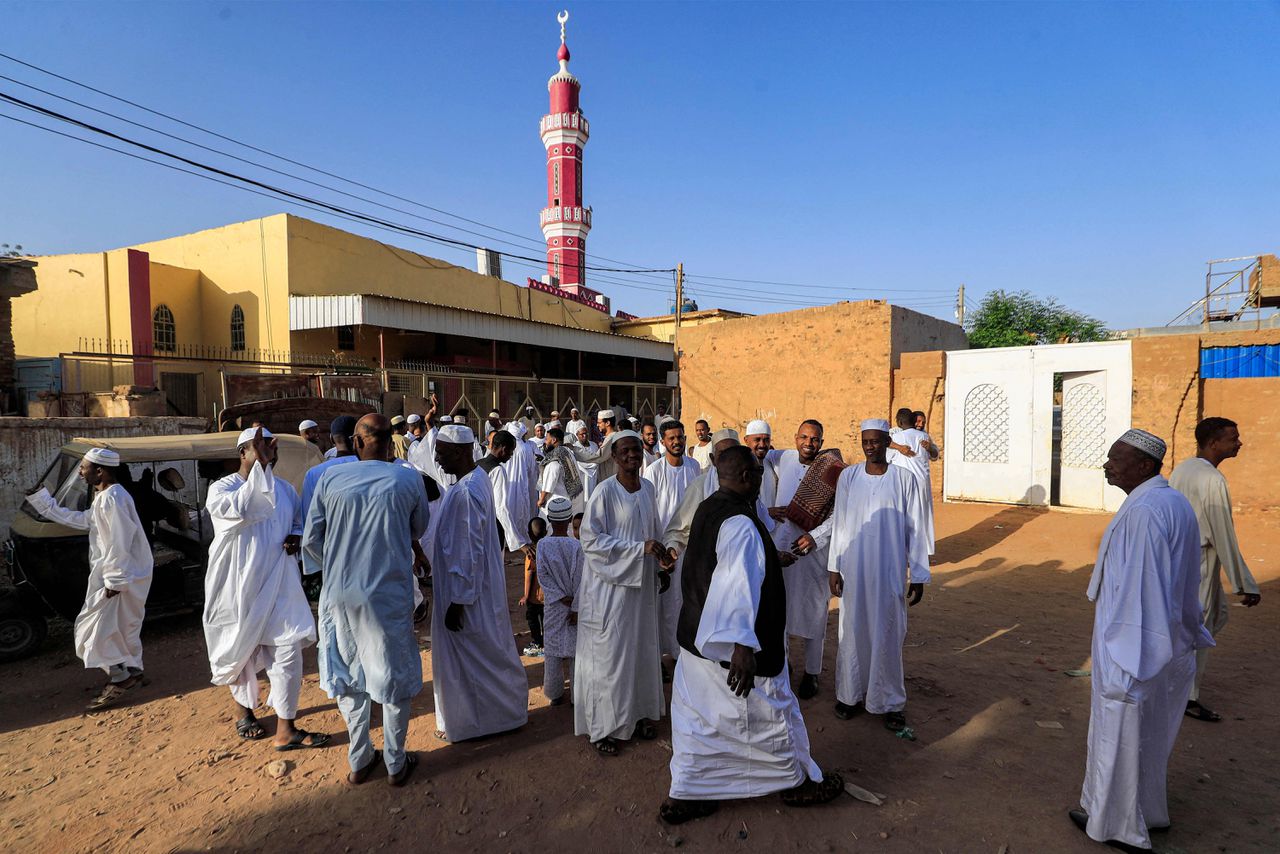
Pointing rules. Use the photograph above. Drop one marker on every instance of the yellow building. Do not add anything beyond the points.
(286, 295)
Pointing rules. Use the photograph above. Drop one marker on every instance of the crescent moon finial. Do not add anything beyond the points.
(563, 18)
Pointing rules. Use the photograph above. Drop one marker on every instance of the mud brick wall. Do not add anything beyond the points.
(1254, 404)
(1166, 391)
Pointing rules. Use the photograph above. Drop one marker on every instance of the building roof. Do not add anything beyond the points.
(322, 312)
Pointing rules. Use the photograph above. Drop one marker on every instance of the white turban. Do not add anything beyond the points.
(397, 420)
(517, 429)
(720, 435)
(307, 425)
(551, 424)
(758, 428)
(1146, 442)
(413, 419)
(446, 419)
(456, 434)
(102, 457)
(875, 424)
(247, 435)
(604, 414)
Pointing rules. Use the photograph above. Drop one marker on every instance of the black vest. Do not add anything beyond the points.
(700, 564)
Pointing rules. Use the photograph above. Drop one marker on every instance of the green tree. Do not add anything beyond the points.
(7, 251)
(1020, 319)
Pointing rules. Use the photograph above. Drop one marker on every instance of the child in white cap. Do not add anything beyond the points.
(559, 573)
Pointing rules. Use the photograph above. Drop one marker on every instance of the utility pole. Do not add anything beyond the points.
(675, 338)
(960, 305)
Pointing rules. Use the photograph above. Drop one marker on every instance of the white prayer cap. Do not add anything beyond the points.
(247, 435)
(604, 413)
(397, 420)
(1149, 444)
(413, 419)
(555, 413)
(573, 409)
(720, 435)
(875, 424)
(758, 428)
(624, 434)
(456, 434)
(446, 419)
(493, 413)
(551, 424)
(102, 457)
(306, 425)
(559, 509)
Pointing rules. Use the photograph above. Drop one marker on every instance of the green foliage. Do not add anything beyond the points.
(1020, 319)
(7, 251)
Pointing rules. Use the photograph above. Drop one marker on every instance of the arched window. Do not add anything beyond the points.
(164, 334)
(237, 328)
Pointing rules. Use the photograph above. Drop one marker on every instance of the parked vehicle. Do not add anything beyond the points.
(170, 477)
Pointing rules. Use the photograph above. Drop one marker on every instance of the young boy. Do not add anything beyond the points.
(532, 599)
(559, 573)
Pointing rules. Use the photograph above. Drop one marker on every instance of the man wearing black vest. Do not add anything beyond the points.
(736, 728)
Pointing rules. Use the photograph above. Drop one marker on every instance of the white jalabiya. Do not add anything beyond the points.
(522, 484)
(676, 533)
(918, 466)
(808, 590)
(572, 428)
(618, 671)
(107, 630)
(725, 746)
(480, 686)
(590, 471)
(601, 457)
(253, 592)
(874, 545)
(669, 486)
(1206, 488)
(651, 455)
(1146, 628)
(701, 453)
(500, 483)
(551, 481)
(422, 456)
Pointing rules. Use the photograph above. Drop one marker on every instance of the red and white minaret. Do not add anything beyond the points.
(565, 220)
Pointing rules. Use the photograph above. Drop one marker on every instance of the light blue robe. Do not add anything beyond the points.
(360, 526)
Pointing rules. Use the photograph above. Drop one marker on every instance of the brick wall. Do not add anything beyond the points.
(831, 363)
(1166, 391)
(1254, 404)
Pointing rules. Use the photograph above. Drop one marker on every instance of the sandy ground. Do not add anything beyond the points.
(986, 655)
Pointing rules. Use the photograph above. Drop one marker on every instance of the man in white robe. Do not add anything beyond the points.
(256, 616)
(671, 475)
(496, 465)
(575, 422)
(676, 534)
(913, 450)
(649, 438)
(618, 668)
(874, 552)
(363, 524)
(1199, 479)
(736, 727)
(108, 629)
(590, 471)
(522, 489)
(808, 582)
(560, 474)
(702, 449)
(758, 437)
(1146, 629)
(340, 434)
(479, 683)
(602, 458)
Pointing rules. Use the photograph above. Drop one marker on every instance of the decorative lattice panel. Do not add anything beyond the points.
(986, 425)
(1084, 423)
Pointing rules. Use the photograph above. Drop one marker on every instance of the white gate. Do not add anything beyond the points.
(999, 422)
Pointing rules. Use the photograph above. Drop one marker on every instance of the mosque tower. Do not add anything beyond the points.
(565, 220)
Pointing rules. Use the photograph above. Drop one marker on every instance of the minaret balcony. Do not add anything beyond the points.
(565, 213)
(565, 121)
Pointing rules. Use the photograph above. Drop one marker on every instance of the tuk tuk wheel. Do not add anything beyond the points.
(21, 631)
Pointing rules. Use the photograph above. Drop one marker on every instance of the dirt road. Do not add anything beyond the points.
(986, 657)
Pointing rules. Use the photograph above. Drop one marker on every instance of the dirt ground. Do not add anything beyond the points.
(986, 657)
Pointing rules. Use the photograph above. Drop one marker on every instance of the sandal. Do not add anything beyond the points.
(1200, 713)
(355, 778)
(298, 741)
(606, 746)
(895, 721)
(846, 712)
(646, 729)
(113, 691)
(811, 793)
(249, 729)
(676, 811)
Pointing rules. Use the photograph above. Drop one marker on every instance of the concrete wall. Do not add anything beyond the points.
(1254, 404)
(28, 446)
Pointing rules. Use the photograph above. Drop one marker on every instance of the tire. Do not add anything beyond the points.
(22, 632)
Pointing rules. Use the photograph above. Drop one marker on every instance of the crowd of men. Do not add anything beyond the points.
(649, 560)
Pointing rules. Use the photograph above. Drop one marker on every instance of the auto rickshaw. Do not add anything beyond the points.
(168, 478)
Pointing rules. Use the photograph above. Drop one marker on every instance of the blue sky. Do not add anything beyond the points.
(1097, 153)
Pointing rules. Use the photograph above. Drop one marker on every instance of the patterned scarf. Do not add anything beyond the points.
(568, 465)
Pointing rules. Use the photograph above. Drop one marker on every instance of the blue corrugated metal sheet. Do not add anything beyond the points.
(1260, 360)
